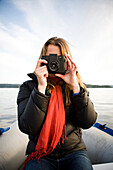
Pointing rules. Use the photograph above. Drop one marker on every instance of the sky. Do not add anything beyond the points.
(87, 26)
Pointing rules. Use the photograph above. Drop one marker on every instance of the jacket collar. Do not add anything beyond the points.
(32, 76)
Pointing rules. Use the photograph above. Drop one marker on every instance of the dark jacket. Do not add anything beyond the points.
(32, 110)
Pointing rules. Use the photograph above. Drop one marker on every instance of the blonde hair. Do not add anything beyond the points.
(60, 42)
(64, 48)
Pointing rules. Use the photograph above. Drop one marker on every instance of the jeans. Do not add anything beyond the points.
(76, 161)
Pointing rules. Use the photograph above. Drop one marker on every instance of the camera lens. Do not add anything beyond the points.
(53, 66)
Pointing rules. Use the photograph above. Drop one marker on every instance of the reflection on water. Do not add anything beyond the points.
(103, 102)
(8, 106)
(101, 97)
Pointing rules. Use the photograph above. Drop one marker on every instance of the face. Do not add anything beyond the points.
(53, 49)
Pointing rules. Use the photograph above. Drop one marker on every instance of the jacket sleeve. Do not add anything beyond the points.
(84, 113)
(32, 108)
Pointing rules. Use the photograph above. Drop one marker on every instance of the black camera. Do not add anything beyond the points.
(56, 63)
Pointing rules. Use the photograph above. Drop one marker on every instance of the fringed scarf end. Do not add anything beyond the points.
(64, 136)
(33, 156)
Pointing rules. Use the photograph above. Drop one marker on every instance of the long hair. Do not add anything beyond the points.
(64, 48)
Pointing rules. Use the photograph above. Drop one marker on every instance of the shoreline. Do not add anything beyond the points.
(87, 85)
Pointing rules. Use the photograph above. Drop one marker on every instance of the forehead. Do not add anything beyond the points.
(53, 49)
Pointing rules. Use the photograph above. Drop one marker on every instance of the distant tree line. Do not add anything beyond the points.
(98, 86)
(9, 85)
(87, 85)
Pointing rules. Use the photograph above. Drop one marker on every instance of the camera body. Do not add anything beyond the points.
(56, 63)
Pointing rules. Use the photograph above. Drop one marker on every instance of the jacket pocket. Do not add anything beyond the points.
(78, 133)
(72, 141)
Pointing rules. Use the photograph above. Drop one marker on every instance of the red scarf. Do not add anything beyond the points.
(53, 128)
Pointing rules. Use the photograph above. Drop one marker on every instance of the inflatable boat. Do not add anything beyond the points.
(98, 140)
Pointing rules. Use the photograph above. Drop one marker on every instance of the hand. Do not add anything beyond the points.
(70, 77)
(41, 73)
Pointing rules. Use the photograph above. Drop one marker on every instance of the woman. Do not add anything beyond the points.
(52, 110)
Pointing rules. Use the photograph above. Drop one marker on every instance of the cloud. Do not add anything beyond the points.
(86, 25)
(14, 69)
(18, 40)
(19, 52)
(83, 24)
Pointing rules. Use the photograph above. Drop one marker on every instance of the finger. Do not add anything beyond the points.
(59, 75)
(46, 74)
(74, 68)
(40, 70)
(72, 62)
(43, 73)
(68, 63)
(68, 57)
(65, 54)
(40, 62)
(42, 67)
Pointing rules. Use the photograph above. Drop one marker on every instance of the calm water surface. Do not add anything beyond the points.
(101, 97)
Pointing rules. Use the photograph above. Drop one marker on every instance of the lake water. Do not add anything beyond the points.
(101, 97)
